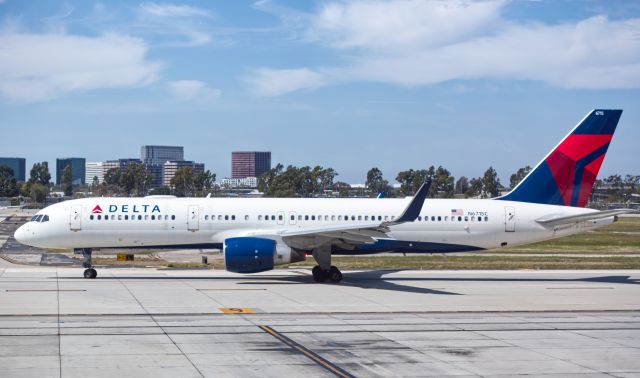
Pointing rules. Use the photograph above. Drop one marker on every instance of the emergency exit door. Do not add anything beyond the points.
(509, 219)
(193, 218)
(75, 221)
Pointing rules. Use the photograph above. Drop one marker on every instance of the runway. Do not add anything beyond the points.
(143, 322)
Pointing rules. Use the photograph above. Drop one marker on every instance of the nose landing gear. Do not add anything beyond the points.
(89, 272)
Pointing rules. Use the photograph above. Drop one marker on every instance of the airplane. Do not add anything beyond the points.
(257, 234)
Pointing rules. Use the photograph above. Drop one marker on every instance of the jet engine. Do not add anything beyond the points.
(252, 255)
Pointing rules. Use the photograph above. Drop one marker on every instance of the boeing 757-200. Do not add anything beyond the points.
(257, 234)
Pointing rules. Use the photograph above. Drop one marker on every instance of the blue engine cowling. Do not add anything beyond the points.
(249, 255)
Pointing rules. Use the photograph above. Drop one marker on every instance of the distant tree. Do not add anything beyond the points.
(8, 184)
(161, 191)
(518, 176)
(95, 182)
(135, 179)
(490, 183)
(342, 188)
(182, 182)
(203, 182)
(462, 185)
(66, 181)
(39, 192)
(376, 183)
(294, 181)
(442, 183)
(475, 188)
(406, 179)
(40, 174)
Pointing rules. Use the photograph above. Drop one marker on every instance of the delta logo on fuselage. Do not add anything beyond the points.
(129, 209)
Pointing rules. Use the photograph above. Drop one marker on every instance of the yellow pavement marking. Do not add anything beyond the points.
(237, 310)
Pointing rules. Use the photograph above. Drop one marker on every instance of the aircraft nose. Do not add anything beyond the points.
(21, 234)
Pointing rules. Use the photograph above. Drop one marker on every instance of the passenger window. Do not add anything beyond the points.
(299, 217)
(139, 217)
(306, 217)
(446, 218)
(293, 217)
(126, 217)
(259, 217)
(459, 219)
(379, 217)
(246, 217)
(466, 219)
(433, 218)
(219, 217)
(419, 217)
(333, 217)
(91, 217)
(366, 217)
(313, 217)
(113, 217)
(326, 217)
(439, 218)
(273, 217)
(173, 217)
(339, 217)
(353, 217)
(206, 217)
(386, 217)
(146, 217)
(233, 217)
(359, 217)
(166, 217)
(226, 217)
(153, 217)
(99, 217)
(486, 219)
(280, 217)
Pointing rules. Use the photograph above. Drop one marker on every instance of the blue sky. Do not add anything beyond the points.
(345, 84)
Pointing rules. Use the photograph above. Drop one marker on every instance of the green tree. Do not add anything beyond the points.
(442, 183)
(490, 183)
(518, 176)
(38, 192)
(40, 174)
(182, 182)
(66, 181)
(203, 182)
(475, 188)
(294, 181)
(342, 188)
(376, 183)
(8, 184)
(462, 185)
(136, 180)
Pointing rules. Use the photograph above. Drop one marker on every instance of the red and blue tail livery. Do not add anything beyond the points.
(566, 175)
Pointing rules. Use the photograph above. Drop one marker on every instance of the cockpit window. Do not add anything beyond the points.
(38, 217)
(45, 218)
(33, 218)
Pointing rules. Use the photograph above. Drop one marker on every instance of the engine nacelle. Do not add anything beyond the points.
(252, 255)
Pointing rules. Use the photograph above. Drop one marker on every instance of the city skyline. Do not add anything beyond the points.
(475, 84)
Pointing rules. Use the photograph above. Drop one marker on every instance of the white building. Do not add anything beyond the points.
(94, 169)
(247, 182)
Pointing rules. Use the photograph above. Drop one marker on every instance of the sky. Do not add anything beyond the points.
(346, 84)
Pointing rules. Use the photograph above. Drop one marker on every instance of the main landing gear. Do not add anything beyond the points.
(89, 272)
(332, 274)
(324, 271)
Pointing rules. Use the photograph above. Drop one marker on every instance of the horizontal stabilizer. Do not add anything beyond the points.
(554, 220)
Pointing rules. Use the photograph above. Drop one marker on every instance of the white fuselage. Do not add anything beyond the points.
(444, 225)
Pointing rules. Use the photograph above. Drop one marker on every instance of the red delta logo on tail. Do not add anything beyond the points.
(566, 175)
(575, 163)
(97, 210)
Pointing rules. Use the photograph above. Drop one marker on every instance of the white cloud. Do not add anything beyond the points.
(269, 82)
(37, 67)
(173, 10)
(422, 42)
(170, 20)
(193, 90)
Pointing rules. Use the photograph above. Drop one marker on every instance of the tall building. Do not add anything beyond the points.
(77, 170)
(93, 169)
(249, 163)
(17, 165)
(121, 164)
(154, 157)
(171, 167)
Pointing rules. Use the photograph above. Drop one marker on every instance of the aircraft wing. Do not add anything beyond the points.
(555, 220)
(351, 234)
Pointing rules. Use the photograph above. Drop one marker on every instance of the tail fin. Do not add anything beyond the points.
(566, 175)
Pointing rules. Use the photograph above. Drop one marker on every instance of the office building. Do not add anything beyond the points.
(78, 166)
(94, 170)
(121, 164)
(154, 157)
(171, 167)
(17, 165)
(249, 163)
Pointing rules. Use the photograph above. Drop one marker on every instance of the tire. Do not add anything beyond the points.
(335, 275)
(318, 274)
(90, 273)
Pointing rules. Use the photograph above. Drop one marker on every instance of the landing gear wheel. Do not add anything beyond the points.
(319, 275)
(334, 274)
(90, 273)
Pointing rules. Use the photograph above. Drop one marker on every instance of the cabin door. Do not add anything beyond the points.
(509, 219)
(193, 220)
(75, 222)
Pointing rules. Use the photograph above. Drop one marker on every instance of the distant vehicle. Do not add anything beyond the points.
(257, 234)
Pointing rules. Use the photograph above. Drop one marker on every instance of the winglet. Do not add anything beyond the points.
(415, 206)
